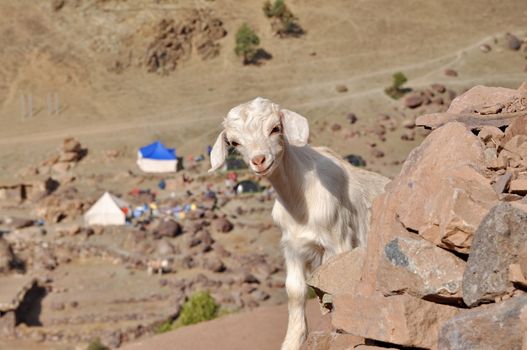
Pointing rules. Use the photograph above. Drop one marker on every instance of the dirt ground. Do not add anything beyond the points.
(88, 59)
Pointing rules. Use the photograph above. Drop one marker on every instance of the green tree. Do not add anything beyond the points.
(246, 43)
(200, 307)
(396, 90)
(399, 79)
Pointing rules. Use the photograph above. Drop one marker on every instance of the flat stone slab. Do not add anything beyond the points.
(13, 288)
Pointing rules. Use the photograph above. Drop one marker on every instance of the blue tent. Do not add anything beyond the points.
(157, 150)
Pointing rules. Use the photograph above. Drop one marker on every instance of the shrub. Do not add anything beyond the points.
(96, 344)
(396, 90)
(164, 327)
(246, 43)
(284, 23)
(399, 79)
(200, 307)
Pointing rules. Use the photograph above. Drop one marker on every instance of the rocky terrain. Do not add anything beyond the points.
(85, 83)
(445, 265)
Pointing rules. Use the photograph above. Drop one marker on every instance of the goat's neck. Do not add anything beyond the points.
(288, 178)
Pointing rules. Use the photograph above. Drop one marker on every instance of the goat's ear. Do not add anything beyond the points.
(218, 153)
(296, 128)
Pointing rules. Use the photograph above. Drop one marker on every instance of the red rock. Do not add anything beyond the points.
(413, 101)
(450, 72)
(419, 268)
(462, 195)
(517, 127)
(409, 123)
(399, 319)
(340, 273)
(71, 145)
(491, 134)
(439, 88)
(499, 326)
(482, 96)
(518, 186)
(502, 183)
(222, 225)
(513, 43)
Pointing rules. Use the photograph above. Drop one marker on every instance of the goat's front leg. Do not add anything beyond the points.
(296, 292)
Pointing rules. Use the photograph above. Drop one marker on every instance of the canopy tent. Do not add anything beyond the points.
(247, 186)
(108, 210)
(156, 158)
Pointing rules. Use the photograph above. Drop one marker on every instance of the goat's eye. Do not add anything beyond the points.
(275, 130)
(234, 144)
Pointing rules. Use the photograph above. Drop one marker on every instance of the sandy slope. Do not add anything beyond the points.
(261, 329)
(357, 43)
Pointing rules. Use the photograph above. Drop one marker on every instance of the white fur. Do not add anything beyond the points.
(323, 205)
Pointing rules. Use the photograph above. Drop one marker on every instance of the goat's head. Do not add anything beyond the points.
(259, 130)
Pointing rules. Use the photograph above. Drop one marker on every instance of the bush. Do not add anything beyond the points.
(164, 327)
(246, 43)
(396, 90)
(284, 23)
(200, 307)
(399, 79)
(96, 344)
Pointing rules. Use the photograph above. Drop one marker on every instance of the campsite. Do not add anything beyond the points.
(112, 226)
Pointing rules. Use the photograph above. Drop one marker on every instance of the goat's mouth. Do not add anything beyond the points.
(266, 170)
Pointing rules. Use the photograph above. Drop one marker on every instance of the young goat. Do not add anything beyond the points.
(323, 203)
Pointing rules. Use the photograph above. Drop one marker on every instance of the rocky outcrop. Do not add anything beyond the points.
(500, 326)
(448, 234)
(496, 246)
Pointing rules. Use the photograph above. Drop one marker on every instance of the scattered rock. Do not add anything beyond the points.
(485, 48)
(496, 246)
(214, 264)
(336, 127)
(168, 228)
(413, 101)
(500, 326)
(222, 225)
(439, 88)
(6, 256)
(352, 118)
(377, 153)
(513, 43)
(450, 72)
(341, 88)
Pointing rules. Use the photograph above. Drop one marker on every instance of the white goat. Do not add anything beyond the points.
(323, 204)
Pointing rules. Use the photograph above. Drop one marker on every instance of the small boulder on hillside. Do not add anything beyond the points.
(413, 101)
(168, 228)
(450, 72)
(513, 43)
(222, 225)
(6, 256)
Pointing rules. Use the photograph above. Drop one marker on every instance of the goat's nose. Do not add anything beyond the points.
(258, 160)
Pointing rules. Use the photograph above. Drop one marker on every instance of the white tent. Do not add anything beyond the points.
(156, 158)
(108, 210)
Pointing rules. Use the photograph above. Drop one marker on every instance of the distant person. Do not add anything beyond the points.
(209, 149)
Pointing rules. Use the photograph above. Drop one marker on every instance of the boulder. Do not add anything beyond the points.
(517, 127)
(168, 228)
(462, 195)
(449, 72)
(222, 225)
(413, 101)
(70, 144)
(500, 326)
(339, 274)
(513, 43)
(502, 182)
(490, 134)
(399, 319)
(518, 186)
(421, 269)
(6, 256)
(496, 246)
(482, 96)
